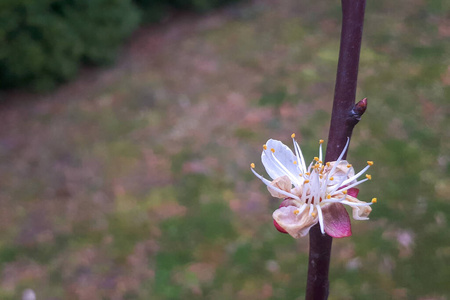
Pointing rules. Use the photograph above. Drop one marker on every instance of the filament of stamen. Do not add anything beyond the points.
(298, 153)
(302, 208)
(357, 175)
(340, 157)
(352, 185)
(319, 211)
(341, 183)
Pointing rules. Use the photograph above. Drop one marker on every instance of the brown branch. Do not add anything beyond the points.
(345, 115)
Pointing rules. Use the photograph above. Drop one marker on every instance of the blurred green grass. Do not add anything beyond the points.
(137, 185)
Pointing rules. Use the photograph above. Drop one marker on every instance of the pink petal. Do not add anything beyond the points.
(286, 202)
(278, 227)
(336, 220)
(296, 224)
(353, 192)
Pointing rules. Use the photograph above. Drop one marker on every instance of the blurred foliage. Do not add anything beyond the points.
(43, 43)
(155, 10)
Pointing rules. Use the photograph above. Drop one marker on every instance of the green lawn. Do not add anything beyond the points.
(134, 182)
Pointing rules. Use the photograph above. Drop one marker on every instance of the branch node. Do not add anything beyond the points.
(359, 109)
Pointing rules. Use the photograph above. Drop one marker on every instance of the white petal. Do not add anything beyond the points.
(283, 162)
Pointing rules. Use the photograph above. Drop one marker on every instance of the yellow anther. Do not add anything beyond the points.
(296, 212)
(320, 141)
(374, 200)
(273, 150)
(370, 163)
(316, 158)
(300, 174)
(265, 147)
(369, 176)
(295, 162)
(320, 162)
(349, 166)
(252, 165)
(313, 214)
(321, 176)
(293, 135)
(344, 192)
(306, 181)
(328, 196)
(331, 178)
(328, 164)
(307, 173)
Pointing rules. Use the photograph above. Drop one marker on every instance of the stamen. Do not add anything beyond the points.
(355, 204)
(252, 165)
(338, 160)
(265, 147)
(316, 158)
(331, 178)
(273, 150)
(340, 183)
(306, 181)
(319, 210)
(348, 186)
(298, 153)
(293, 135)
(356, 176)
(320, 149)
(344, 192)
(349, 166)
(370, 163)
(374, 200)
(296, 212)
(311, 207)
(295, 162)
(313, 215)
(302, 208)
(328, 196)
(328, 164)
(307, 173)
(369, 176)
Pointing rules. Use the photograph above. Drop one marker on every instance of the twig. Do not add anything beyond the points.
(345, 115)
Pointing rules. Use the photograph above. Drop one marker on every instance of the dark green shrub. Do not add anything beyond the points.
(43, 42)
(154, 10)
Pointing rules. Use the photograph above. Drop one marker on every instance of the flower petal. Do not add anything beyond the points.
(297, 225)
(280, 162)
(336, 220)
(282, 183)
(278, 227)
(353, 192)
(360, 212)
